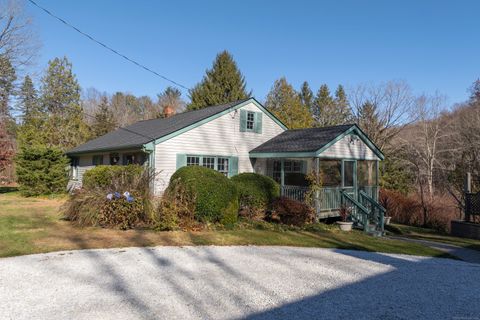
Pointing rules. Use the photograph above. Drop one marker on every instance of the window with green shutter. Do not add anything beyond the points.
(250, 121)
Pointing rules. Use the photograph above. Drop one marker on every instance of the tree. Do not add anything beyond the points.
(17, 39)
(393, 102)
(475, 92)
(306, 95)
(322, 104)
(7, 79)
(7, 152)
(286, 104)
(342, 106)
(60, 96)
(103, 122)
(368, 120)
(170, 97)
(32, 128)
(41, 170)
(223, 83)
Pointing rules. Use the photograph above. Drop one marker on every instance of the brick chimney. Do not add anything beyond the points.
(168, 111)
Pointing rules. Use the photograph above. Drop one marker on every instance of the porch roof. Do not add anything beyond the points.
(310, 142)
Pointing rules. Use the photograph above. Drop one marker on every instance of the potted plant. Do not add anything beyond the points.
(344, 224)
(386, 219)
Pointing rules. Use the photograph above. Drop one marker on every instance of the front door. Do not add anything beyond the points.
(349, 181)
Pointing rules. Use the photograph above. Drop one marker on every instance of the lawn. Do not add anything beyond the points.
(35, 225)
(432, 235)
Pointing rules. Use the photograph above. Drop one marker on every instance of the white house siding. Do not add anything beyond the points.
(349, 147)
(219, 137)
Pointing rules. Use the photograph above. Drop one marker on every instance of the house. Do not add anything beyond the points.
(243, 136)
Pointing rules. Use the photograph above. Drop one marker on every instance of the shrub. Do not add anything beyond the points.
(216, 198)
(106, 206)
(176, 209)
(408, 209)
(292, 212)
(110, 177)
(256, 192)
(41, 170)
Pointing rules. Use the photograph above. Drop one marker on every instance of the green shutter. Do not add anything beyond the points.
(233, 167)
(181, 160)
(243, 120)
(258, 122)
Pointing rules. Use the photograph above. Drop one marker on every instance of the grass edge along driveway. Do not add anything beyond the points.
(34, 225)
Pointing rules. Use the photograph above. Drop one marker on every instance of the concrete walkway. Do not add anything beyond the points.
(468, 255)
(236, 283)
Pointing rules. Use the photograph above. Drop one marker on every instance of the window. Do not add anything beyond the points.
(250, 120)
(222, 165)
(348, 171)
(97, 160)
(208, 162)
(114, 158)
(331, 172)
(193, 161)
(292, 170)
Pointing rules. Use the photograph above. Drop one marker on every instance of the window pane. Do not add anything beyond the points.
(366, 173)
(331, 173)
(250, 120)
(348, 173)
(193, 161)
(222, 165)
(209, 162)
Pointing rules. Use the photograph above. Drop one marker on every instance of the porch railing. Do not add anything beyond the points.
(329, 198)
(294, 192)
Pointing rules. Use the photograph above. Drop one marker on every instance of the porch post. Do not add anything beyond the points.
(377, 187)
(282, 173)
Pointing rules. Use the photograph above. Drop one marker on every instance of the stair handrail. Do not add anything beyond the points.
(375, 205)
(363, 209)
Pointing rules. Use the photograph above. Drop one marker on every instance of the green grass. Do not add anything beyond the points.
(432, 235)
(34, 225)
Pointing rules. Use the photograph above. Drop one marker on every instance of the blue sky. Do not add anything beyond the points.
(433, 45)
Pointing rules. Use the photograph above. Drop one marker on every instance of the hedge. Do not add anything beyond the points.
(215, 195)
(103, 176)
(256, 191)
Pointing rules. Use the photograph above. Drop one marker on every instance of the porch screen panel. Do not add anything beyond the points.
(331, 173)
(366, 173)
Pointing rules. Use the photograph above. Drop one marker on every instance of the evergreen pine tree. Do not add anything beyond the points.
(306, 95)
(342, 107)
(60, 96)
(475, 93)
(103, 122)
(322, 106)
(32, 129)
(222, 84)
(286, 104)
(368, 120)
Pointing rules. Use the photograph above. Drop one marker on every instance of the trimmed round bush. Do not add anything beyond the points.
(216, 198)
(256, 191)
(104, 176)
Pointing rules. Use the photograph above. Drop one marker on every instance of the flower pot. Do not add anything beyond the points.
(345, 225)
(387, 220)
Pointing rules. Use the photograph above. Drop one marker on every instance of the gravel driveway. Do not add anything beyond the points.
(236, 282)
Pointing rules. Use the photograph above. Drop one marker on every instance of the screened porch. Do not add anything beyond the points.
(333, 175)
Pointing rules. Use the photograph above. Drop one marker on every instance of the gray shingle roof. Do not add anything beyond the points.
(142, 132)
(302, 140)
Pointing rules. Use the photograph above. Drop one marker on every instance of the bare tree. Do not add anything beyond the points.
(425, 141)
(388, 105)
(18, 41)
